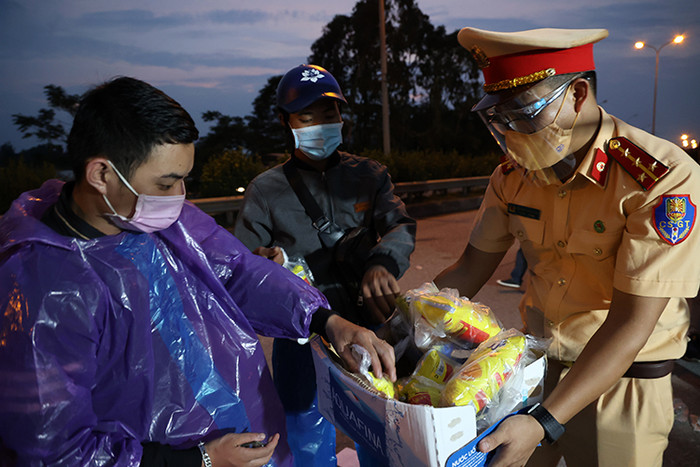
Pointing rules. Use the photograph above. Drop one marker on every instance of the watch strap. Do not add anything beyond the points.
(552, 428)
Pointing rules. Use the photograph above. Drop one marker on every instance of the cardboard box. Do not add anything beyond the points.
(403, 434)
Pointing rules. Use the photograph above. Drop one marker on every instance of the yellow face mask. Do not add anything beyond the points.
(543, 148)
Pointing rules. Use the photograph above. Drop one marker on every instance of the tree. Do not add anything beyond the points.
(266, 134)
(7, 153)
(43, 126)
(228, 133)
(18, 177)
(223, 174)
(259, 133)
(433, 82)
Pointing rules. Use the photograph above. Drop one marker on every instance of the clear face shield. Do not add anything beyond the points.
(525, 127)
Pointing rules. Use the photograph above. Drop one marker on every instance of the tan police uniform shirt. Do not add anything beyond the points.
(592, 233)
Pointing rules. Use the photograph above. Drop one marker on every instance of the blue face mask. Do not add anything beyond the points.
(318, 141)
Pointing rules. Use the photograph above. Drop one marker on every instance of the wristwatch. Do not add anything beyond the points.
(552, 428)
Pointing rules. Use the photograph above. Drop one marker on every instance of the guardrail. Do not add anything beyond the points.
(408, 191)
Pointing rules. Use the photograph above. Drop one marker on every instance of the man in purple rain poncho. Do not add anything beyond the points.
(129, 318)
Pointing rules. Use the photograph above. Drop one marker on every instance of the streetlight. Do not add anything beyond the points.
(688, 142)
(640, 45)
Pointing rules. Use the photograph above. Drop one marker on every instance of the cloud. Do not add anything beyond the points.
(237, 16)
(130, 20)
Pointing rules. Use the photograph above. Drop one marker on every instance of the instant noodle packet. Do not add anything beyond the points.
(459, 318)
(419, 390)
(479, 379)
(425, 385)
(383, 384)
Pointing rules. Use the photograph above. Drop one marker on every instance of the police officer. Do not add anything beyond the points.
(605, 215)
(350, 192)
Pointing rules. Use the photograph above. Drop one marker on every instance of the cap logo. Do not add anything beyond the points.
(312, 75)
(482, 61)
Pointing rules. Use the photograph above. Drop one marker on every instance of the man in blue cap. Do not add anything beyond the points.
(303, 207)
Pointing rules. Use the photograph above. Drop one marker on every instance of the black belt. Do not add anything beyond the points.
(641, 370)
(649, 370)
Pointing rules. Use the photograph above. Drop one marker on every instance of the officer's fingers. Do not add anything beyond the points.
(489, 443)
(515, 438)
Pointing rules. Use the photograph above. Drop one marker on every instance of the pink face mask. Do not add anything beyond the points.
(152, 213)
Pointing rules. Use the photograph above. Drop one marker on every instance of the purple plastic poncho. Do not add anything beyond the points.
(111, 342)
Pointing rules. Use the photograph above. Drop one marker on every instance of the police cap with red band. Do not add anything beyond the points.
(509, 60)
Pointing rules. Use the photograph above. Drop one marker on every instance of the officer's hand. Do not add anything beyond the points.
(275, 253)
(228, 451)
(516, 439)
(342, 333)
(379, 290)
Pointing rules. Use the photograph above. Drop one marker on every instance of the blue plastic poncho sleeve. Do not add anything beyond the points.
(48, 367)
(275, 301)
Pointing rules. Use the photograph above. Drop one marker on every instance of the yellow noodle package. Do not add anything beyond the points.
(418, 390)
(458, 318)
(479, 379)
(383, 384)
(427, 381)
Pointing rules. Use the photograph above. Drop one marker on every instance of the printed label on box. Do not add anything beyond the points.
(358, 421)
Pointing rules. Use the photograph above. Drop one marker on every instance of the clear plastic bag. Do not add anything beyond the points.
(383, 384)
(478, 380)
(492, 378)
(427, 381)
(442, 314)
(298, 266)
(516, 392)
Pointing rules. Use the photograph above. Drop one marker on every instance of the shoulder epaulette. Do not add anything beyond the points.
(507, 165)
(644, 168)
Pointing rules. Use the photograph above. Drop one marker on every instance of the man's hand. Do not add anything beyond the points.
(342, 333)
(516, 437)
(228, 451)
(275, 253)
(379, 290)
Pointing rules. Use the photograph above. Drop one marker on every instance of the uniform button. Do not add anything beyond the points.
(561, 282)
(520, 234)
(561, 244)
(550, 323)
(562, 193)
(598, 252)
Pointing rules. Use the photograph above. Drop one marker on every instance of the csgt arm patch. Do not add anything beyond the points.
(674, 218)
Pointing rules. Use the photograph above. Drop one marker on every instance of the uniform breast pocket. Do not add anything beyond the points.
(527, 230)
(596, 245)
